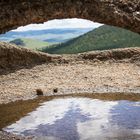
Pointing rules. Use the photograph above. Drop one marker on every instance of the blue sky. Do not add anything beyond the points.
(63, 23)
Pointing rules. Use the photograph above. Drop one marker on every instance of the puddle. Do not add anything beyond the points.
(81, 118)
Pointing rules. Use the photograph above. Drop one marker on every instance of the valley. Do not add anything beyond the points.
(102, 38)
(73, 41)
(32, 44)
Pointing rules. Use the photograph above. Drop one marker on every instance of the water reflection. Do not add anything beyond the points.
(81, 119)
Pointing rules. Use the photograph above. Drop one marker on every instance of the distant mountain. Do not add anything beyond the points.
(49, 35)
(30, 43)
(103, 38)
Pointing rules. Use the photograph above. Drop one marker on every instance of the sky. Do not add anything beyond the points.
(58, 24)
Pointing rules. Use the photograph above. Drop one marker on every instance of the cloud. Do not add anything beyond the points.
(56, 109)
(63, 23)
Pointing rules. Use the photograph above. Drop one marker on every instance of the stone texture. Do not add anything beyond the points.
(13, 57)
(71, 78)
(122, 13)
(111, 71)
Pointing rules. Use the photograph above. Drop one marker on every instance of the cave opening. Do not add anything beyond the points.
(71, 36)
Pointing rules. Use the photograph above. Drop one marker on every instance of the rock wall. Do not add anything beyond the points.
(122, 13)
(13, 57)
(131, 54)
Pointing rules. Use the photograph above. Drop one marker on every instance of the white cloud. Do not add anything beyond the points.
(56, 109)
(63, 23)
(101, 123)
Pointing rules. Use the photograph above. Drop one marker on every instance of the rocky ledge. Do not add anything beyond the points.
(121, 13)
(92, 72)
(14, 58)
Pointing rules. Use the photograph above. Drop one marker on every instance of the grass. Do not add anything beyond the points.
(103, 38)
(33, 44)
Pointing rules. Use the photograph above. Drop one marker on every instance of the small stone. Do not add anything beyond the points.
(39, 92)
(55, 90)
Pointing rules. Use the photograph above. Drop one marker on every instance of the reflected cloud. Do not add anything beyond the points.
(48, 113)
(81, 118)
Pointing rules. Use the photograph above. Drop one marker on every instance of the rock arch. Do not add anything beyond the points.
(121, 13)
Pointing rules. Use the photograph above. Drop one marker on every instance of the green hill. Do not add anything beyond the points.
(30, 43)
(103, 38)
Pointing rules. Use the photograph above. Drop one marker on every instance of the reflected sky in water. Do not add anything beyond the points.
(81, 119)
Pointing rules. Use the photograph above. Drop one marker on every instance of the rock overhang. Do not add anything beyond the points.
(121, 13)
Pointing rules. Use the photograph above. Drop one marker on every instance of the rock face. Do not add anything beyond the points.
(22, 78)
(122, 13)
(13, 57)
(114, 54)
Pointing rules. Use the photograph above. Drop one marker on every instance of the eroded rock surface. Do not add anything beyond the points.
(93, 72)
(13, 57)
(122, 13)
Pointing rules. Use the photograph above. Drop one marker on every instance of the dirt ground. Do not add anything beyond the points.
(75, 77)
